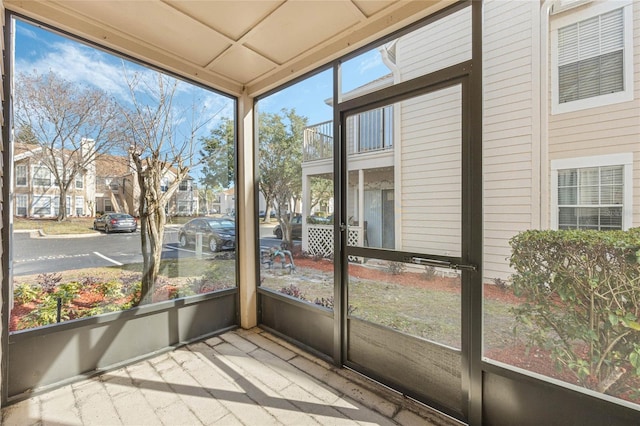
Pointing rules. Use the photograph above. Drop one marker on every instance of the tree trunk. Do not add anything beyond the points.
(62, 205)
(152, 226)
(152, 222)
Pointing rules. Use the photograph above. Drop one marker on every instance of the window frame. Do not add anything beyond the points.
(22, 199)
(79, 178)
(40, 202)
(574, 16)
(25, 175)
(35, 180)
(623, 159)
(79, 202)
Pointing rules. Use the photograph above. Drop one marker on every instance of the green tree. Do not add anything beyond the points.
(26, 135)
(218, 156)
(280, 140)
(321, 191)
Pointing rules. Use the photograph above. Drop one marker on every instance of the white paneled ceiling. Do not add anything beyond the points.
(234, 46)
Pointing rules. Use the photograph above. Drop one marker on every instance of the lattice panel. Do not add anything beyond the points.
(321, 240)
(354, 237)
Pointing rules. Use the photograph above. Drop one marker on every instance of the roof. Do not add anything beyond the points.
(112, 166)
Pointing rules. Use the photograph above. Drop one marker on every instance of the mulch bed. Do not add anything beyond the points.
(534, 359)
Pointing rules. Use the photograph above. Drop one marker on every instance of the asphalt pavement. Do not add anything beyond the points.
(36, 254)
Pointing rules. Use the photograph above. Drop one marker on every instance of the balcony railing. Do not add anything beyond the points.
(318, 142)
(371, 136)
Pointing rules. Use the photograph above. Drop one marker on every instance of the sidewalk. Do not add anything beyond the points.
(239, 378)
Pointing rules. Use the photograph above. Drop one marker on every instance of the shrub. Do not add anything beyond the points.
(429, 273)
(582, 299)
(396, 268)
(25, 293)
(500, 283)
(293, 291)
(328, 303)
(48, 282)
(110, 289)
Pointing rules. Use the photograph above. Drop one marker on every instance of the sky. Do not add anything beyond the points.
(39, 50)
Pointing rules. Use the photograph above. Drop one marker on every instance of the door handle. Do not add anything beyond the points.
(441, 263)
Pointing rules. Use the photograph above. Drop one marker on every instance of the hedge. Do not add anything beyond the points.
(581, 291)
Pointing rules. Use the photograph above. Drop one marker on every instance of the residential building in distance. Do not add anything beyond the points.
(36, 193)
(108, 184)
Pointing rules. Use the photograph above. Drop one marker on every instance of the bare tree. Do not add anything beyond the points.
(67, 126)
(159, 147)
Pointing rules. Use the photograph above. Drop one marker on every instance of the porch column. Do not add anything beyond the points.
(245, 214)
(361, 206)
(306, 202)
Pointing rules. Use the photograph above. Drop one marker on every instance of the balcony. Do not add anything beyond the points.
(367, 132)
(239, 377)
(318, 142)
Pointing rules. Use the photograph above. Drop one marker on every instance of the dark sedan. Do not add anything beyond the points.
(217, 234)
(296, 229)
(116, 222)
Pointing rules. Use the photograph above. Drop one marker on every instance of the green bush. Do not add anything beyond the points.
(581, 293)
(25, 293)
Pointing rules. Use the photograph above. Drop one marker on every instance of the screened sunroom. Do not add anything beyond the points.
(456, 184)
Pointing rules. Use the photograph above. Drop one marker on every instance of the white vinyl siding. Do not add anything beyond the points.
(21, 175)
(435, 46)
(510, 130)
(592, 58)
(431, 128)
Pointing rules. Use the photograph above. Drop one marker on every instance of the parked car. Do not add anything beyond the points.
(262, 213)
(114, 222)
(217, 233)
(296, 228)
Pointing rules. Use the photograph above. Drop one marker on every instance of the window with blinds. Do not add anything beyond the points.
(591, 198)
(371, 130)
(591, 57)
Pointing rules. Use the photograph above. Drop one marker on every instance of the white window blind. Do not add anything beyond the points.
(590, 57)
(591, 198)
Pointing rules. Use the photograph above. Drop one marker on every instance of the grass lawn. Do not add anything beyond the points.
(421, 308)
(75, 225)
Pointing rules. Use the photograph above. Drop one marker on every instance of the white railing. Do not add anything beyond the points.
(318, 142)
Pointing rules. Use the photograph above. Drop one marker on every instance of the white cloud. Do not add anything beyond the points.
(79, 64)
(369, 62)
(82, 64)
